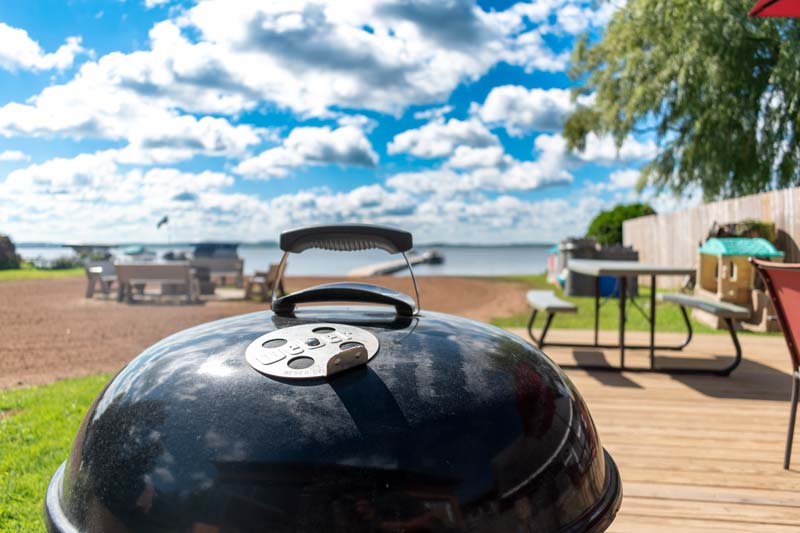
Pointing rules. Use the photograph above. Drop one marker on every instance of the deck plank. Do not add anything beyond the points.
(696, 453)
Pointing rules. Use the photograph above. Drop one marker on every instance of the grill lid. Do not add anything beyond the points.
(237, 425)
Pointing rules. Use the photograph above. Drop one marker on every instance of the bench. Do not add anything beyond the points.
(547, 302)
(727, 311)
(223, 267)
(264, 282)
(176, 274)
(100, 273)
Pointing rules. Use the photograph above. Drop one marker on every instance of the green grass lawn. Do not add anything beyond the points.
(668, 315)
(37, 426)
(28, 271)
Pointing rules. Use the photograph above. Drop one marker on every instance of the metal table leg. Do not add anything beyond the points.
(596, 308)
(623, 296)
(652, 321)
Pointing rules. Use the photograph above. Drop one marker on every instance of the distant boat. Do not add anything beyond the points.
(138, 253)
(434, 257)
(90, 251)
(215, 249)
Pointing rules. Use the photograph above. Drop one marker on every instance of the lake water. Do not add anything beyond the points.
(458, 260)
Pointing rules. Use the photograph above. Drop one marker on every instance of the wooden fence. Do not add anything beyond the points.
(673, 238)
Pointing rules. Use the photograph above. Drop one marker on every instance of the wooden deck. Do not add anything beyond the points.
(696, 453)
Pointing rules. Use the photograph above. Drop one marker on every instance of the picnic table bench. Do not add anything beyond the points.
(223, 267)
(548, 302)
(727, 311)
(102, 274)
(175, 274)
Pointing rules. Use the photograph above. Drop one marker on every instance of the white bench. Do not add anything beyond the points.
(177, 274)
(100, 273)
(727, 311)
(720, 309)
(547, 302)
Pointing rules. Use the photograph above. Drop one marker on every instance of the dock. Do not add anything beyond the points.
(431, 257)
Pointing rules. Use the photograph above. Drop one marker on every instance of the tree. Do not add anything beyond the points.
(606, 227)
(8, 253)
(719, 92)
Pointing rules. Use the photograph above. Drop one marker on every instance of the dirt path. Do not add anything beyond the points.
(49, 331)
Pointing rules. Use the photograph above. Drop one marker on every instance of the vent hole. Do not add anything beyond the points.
(323, 330)
(299, 363)
(348, 345)
(274, 343)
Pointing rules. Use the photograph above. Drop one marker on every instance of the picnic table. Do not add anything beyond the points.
(623, 270)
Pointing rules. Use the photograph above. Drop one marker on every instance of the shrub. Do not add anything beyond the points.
(606, 228)
(8, 253)
(64, 262)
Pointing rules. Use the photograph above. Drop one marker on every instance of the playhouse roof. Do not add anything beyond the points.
(755, 247)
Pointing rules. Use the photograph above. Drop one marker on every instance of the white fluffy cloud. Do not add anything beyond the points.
(19, 52)
(94, 197)
(83, 109)
(447, 182)
(520, 110)
(477, 161)
(433, 113)
(99, 178)
(440, 138)
(339, 69)
(345, 146)
(14, 155)
(308, 57)
(624, 179)
(599, 150)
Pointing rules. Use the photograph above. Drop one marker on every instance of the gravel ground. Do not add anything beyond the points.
(49, 331)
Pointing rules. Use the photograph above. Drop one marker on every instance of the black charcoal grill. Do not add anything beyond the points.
(337, 418)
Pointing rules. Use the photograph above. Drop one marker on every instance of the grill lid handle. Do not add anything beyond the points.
(346, 238)
(345, 292)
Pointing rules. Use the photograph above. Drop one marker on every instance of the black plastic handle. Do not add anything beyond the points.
(345, 292)
(346, 238)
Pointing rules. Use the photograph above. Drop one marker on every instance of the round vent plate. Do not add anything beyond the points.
(310, 351)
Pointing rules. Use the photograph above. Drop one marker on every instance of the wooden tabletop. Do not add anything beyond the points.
(599, 267)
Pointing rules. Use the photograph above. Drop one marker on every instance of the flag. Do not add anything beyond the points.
(163, 221)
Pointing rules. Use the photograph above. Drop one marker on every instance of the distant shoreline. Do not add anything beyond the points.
(271, 244)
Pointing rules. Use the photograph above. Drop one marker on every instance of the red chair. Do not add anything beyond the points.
(783, 284)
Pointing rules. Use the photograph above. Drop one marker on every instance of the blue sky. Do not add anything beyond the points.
(240, 119)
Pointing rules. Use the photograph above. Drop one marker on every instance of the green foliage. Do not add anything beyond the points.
(28, 271)
(65, 262)
(606, 227)
(8, 253)
(746, 228)
(720, 91)
(37, 426)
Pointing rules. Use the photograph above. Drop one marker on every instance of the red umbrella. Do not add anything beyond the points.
(776, 8)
